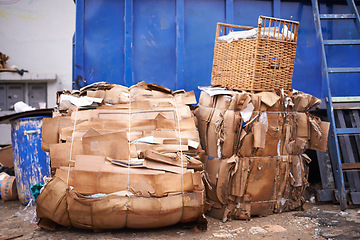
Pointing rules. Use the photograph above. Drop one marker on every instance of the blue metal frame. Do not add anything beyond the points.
(334, 143)
(171, 42)
(334, 132)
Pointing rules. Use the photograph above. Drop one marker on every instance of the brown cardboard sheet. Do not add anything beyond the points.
(114, 145)
(79, 211)
(60, 153)
(319, 132)
(115, 178)
(6, 157)
(171, 159)
(51, 130)
(149, 164)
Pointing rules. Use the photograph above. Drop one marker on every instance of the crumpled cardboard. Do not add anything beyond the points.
(67, 207)
(129, 159)
(255, 144)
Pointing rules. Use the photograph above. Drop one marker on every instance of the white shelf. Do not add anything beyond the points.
(27, 77)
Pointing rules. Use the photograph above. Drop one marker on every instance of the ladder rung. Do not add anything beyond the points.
(344, 70)
(345, 99)
(347, 166)
(342, 42)
(346, 106)
(341, 131)
(336, 16)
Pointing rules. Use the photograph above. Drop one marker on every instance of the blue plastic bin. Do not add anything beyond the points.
(31, 163)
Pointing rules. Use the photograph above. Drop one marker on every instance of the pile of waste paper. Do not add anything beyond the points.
(122, 157)
(255, 143)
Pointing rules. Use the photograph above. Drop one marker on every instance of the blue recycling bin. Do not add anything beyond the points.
(31, 163)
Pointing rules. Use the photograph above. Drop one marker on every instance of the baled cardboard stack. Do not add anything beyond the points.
(130, 158)
(255, 143)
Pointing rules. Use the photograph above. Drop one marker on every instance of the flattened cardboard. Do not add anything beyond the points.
(223, 183)
(114, 145)
(136, 114)
(143, 188)
(259, 131)
(60, 153)
(303, 128)
(316, 143)
(112, 96)
(189, 98)
(247, 146)
(229, 134)
(146, 163)
(6, 157)
(51, 203)
(82, 212)
(161, 157)
(51, 130)
(269, 98)
(93, 182)
(50, 134)
(96, 94)
(212, 167)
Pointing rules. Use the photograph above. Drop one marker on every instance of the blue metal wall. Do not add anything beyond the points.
(170, 42)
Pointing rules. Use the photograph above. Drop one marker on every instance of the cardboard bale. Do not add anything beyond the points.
(134, 163)
(255, 145)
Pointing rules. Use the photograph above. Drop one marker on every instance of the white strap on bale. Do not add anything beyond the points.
(128, 167)
(71, 146)
(181, 154)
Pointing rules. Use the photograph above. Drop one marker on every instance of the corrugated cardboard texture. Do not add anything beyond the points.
(255, 145)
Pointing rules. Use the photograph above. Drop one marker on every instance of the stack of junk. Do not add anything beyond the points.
(255, 143)
(122, 157)
(255, 137)
(131, 157)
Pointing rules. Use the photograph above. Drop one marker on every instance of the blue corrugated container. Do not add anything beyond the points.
(171, 42)
(31, 163)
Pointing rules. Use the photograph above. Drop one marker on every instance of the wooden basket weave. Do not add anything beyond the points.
(259, 64)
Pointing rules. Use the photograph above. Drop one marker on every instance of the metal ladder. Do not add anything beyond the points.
(343, 136)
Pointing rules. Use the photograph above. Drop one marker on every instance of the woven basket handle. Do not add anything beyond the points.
(226, 25)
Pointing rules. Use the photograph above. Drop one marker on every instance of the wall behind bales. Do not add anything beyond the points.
(37, 35)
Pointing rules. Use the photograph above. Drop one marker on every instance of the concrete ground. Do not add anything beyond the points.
(317, 221)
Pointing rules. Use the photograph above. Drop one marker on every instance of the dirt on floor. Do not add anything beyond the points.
(317, 221)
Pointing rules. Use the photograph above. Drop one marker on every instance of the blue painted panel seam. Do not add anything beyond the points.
(129, 28)
(229, 12)
(79, 44)
(277, 8)
(180, 44)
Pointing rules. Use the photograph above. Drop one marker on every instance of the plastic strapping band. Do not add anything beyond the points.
(269, 201)
(257, 115)
(253, 111)
(181, 153)
(71, 146)
(129, 144)
(279, 156)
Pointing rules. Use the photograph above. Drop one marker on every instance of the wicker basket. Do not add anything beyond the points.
(259, 64)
